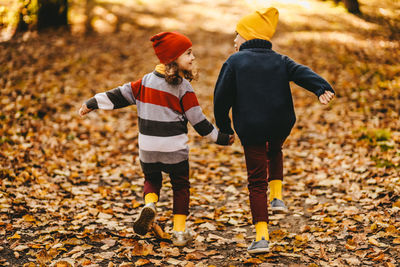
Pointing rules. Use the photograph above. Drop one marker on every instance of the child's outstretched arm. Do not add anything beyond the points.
(198, 120)
(118, 97)
(308, 79)
(84, 110)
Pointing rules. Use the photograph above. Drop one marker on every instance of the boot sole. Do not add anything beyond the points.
(142, 224)
(258, 251)
(279, 210)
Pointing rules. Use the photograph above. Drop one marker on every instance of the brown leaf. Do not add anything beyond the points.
(142, 249)
(195, 256)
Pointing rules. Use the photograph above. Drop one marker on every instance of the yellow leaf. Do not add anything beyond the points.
(396, 240)
(15, 236)
(301, 238)
(135, 203)
(74, 175)
(373, 241)
(358, 218)
(391, 230)
(350, 247)
(29, 218)
(241, 245)
(328, 220)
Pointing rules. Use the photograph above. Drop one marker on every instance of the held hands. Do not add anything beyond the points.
(326, 97)
(84, 110)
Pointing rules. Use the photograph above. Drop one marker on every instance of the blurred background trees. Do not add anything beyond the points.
(42, 14)
(23, 15)
(31, 15)
(351, 5)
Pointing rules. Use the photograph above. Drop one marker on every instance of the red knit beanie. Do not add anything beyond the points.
(168, 46)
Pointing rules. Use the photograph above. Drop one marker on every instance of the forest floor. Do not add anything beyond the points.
(71, 187)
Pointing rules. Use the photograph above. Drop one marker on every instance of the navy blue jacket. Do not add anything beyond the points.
(254, 82)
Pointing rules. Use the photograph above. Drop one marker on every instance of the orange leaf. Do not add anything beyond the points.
(63, 264)
(141, 262)
(29, 218)
(253, 261)
(379, 257)
(158, 232)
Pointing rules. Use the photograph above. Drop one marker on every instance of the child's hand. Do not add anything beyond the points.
(231, 139)
(326, 97)
(84, 110)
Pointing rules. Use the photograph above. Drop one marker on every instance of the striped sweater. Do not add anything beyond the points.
(163, 113)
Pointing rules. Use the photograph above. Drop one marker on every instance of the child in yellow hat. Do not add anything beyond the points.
(254, 82)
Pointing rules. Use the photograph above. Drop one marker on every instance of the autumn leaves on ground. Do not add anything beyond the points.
(71, 187)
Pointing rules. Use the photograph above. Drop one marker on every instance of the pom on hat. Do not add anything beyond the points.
(168, 46)
(260, 24)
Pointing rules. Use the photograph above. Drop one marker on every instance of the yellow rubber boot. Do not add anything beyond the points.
(275, 190)
(150, 197)
(179, 222)
(262, 231)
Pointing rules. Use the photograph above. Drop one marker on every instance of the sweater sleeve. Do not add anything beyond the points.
(306, 78)
(118, 97)
(224, 95)
(198, 120)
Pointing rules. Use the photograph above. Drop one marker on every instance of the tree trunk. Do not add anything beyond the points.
(52, 13)
(23, 11)
(352, 6)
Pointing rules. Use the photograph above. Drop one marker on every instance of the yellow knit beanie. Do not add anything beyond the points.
(260, 24)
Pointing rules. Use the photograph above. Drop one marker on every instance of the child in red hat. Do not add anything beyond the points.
(165, 102)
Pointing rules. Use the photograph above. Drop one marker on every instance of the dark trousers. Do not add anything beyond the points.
(180, 186)
(263, 162)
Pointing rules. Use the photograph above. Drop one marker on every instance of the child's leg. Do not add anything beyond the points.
(152, 186)
(256, 163)
(275, 168)
(180, 186)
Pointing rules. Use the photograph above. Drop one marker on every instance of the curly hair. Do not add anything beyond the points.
(173, 74)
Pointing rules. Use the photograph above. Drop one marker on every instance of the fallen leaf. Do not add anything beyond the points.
(141, 262)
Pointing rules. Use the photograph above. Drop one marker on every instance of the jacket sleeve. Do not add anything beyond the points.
(198, 120)
(224, 95)
(306, 78)
(118, 97)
